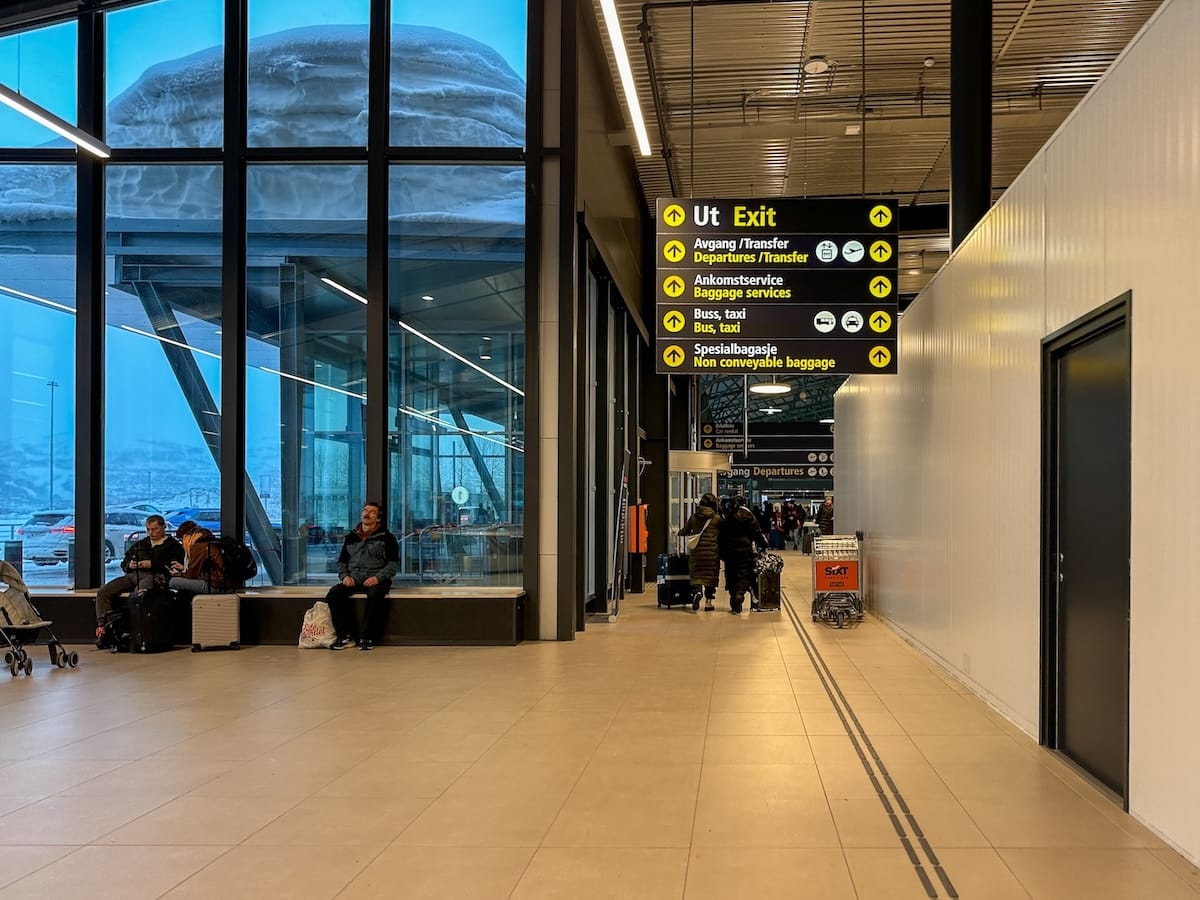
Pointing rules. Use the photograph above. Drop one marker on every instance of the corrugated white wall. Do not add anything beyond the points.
(940, 465)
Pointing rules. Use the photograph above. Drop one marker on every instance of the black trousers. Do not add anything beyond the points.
(375, 615)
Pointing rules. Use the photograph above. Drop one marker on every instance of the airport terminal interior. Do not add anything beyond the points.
(901, 288)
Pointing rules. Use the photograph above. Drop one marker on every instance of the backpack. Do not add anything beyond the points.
(240, 566)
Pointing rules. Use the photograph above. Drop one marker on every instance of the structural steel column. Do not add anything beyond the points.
(970, 115)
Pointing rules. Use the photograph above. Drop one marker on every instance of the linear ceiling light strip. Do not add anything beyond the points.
(43, 116)
(613, 23)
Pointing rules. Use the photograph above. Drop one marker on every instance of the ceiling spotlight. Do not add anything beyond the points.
(772, 387)
(827, 421)
(428, 298)
(929, 62)
(771, 410)
(854, 129)
(816, 65)
(485, 347)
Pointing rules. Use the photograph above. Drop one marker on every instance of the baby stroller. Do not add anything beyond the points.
(19, 622)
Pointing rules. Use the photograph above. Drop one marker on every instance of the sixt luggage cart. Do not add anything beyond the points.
(837, 586)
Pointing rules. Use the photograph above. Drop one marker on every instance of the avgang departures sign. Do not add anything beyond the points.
(776, 286)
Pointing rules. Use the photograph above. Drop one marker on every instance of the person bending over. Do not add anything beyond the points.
(369, 558)
(203, 568)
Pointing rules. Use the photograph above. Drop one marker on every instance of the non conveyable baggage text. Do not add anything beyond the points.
(746, 356)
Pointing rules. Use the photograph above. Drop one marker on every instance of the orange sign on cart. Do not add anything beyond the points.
(836, 575)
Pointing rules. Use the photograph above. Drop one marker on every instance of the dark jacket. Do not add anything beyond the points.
(738, 536)
(704, 563)
(824, 518)
(161, 557)
(378, 555)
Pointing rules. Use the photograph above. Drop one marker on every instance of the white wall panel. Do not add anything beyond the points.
(942, 462)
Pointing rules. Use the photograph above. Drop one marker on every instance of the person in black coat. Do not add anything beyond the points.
(738, 538)
(824, 517)
(704, 562)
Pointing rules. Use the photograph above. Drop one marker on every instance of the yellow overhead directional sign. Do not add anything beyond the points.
(674, 321)
(673, 286)
(674, 251)
(674, 215)
(881, 286)
(881, 251)
(881, 216)
(880, 321)
(880, 357)
(674, 356)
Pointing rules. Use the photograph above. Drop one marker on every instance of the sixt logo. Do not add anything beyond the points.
(837, 570)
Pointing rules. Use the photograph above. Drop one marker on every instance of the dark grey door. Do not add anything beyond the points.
(1093, 424)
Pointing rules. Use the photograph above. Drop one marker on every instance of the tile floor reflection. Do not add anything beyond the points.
(671, 755)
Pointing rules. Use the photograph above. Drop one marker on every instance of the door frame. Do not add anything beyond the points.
(1117, 313)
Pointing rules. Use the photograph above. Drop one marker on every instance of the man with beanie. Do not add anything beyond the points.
(370, 556)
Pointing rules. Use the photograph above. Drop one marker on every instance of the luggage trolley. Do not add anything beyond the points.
(837, 589)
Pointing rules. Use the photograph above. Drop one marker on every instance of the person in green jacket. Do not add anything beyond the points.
(704, 562)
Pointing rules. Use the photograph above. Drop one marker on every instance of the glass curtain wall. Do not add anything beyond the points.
(162, 438)
(37, 370)
(306, 360)
(455, 368)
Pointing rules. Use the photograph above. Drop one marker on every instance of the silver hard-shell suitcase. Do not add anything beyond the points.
(215, 622)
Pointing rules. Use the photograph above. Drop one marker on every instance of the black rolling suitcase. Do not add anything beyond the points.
(674, 582)
(150, 620)
(769, 590)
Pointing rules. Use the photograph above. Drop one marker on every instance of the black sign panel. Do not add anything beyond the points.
(768, 356)
(780, 286)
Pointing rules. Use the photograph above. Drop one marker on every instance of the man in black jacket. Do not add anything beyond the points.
(370, 557)
(153, 556)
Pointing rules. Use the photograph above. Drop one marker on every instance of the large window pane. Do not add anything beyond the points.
(162, 342)
(37, 369)
(306, 365)
(308, 74)
(458, 73)
(42, 66)
(165, 77)
(456, 371)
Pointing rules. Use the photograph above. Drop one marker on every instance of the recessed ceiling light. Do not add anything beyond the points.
(773, 387)
(827, 421)
(771, 410)
(854, 129)
(816, 65)
(428, 298)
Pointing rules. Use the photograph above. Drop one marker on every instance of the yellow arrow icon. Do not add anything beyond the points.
(708, 445)
(880, 321)
(881, 216)
(881, 251)
(708, 429)
(674, 356)
(674, 321)
(674, 215)
(674, 251)
(881, 286)
(880, 357)
(673, 286)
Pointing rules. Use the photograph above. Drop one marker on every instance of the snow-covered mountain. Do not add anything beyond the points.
(308, 87)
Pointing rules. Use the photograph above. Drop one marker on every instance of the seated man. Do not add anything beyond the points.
(152, 556)
(203, 568)
(369, 558)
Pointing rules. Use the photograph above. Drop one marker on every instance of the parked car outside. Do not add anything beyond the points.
(46, 543)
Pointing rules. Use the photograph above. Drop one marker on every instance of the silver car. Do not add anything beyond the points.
(47, 535)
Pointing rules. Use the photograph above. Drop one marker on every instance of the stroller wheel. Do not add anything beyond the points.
(8, 659)
(73, 660)
(28, 666)
(12, 668)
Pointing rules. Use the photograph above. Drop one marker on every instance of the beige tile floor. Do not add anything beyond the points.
(673, 754)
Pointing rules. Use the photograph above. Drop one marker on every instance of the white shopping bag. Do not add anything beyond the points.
(317, 632)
